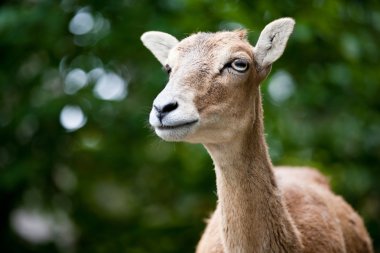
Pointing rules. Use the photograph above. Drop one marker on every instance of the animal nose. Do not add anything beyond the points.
(162, 111)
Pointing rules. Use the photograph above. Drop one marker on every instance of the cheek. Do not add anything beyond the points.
(210, 98)
(220, 93)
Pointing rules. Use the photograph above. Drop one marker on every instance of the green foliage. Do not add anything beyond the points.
(111, 185)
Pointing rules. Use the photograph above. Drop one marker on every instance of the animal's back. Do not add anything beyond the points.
(325, 221)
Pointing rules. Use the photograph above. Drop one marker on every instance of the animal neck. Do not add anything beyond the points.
(253, 215)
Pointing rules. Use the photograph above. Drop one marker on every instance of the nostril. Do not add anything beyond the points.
(158, 109)
(169, 107)
(162, 111)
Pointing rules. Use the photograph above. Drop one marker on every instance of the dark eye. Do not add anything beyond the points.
(240, 65)
(167, 69)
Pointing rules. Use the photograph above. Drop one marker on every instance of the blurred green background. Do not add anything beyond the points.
(80, 170)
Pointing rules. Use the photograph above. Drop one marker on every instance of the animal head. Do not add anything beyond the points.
(213, 81)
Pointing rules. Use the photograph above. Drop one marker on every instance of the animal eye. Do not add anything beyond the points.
(167, 69)
(240, 65)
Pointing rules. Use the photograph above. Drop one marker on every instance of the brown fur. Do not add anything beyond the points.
(308, 202)
(260, 209)
(292, 210)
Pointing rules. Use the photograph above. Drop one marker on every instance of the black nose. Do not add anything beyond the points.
(162, 111)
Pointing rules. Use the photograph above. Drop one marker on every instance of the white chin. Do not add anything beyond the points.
(174, 134)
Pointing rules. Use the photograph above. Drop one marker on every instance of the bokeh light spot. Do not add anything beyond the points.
(75, 80)
(31, 226)
(110, 86)
(281, 86)
(37, 226)
(81, 23)
(95, 74)
(72, 117)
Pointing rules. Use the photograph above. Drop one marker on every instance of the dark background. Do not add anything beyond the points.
(80, 170)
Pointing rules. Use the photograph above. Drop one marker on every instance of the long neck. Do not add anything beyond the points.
(253, 215)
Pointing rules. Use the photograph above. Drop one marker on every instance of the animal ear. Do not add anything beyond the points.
(272, 41)
(159, 44)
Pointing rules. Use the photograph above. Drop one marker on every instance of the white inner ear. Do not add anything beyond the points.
(272, 41)
(159, 44)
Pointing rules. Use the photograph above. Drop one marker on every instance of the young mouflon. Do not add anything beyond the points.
(213, 97)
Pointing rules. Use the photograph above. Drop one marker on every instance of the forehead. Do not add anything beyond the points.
(212, 45)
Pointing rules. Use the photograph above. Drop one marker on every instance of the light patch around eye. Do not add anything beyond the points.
(240, 65)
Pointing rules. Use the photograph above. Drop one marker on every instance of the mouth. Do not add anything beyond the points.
(173, 127)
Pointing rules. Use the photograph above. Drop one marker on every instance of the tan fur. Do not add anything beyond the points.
(292, 210)
(260, 209)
